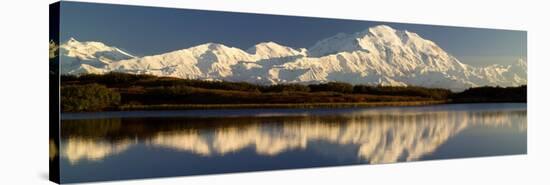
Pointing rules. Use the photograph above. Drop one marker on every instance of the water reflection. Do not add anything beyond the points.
(379, 135)
(76, 149)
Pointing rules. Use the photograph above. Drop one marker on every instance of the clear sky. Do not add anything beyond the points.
(146, 31)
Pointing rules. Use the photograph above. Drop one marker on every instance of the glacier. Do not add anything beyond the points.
(378, 55)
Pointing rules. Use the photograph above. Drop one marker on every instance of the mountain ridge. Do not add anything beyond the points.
(378, 55)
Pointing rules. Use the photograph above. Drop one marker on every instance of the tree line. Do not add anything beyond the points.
(92, 92)
(491, 94)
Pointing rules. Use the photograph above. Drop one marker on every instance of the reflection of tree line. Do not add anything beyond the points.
(381, 137)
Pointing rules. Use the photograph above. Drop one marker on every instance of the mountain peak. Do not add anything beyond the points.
(96, 54)
(389, 35)
(268, 43)
(73, 42)
(72, 39)
(382, 29)
(213, 45)
(359, 41)
(272, 50)
(210, 46)
(373, 39)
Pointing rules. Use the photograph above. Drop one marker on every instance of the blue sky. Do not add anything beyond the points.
(146, 31)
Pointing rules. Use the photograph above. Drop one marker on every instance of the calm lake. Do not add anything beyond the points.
(142, 144)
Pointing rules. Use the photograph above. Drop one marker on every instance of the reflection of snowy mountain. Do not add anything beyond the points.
(379, 136)
(377, 55)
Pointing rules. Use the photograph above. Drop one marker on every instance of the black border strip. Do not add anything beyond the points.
(54, 121)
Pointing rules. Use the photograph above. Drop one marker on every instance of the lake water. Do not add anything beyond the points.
(126, 145)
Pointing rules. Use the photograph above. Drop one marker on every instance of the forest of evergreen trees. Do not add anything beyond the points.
(491, 94)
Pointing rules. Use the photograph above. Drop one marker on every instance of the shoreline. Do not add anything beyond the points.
(277, 106)
(343, 105)
(258, 112)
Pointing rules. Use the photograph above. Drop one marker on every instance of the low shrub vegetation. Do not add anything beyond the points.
(89, 97)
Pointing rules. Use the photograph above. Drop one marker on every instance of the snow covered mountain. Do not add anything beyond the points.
(379, 55)
(88, 57)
